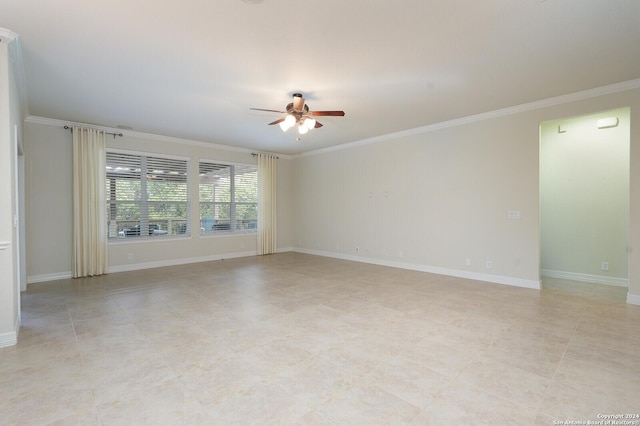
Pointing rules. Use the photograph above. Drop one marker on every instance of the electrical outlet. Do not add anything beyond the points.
(488, 264)
(467, 262)
(604, 266)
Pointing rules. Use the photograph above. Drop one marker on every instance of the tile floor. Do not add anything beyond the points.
(295, 339)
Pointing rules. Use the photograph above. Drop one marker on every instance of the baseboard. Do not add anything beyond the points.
(10, 338)
(574, 276)
(633, 299)
(32, 279)
(147, 265)
(497, 279)
(174, 262)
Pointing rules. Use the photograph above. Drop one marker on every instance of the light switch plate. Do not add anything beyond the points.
(514, 214)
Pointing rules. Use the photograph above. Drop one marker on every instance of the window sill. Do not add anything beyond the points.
(138, 240)
(220, 234)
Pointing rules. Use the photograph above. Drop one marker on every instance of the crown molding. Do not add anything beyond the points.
(530, 106)
(545, 103)
(142, 135)
(7, 36)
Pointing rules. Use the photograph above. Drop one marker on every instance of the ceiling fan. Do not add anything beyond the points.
(298, 113)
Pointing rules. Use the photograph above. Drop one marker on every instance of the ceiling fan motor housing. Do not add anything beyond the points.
(292, 110)
(298, 103)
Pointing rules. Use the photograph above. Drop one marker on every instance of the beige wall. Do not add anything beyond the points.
(435, 199)
(49, 206)
(429, 201)
(584, 198)
(48, 210)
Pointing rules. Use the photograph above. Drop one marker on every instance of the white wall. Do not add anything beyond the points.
(10, 119)
(431, 199)
(584, 198)
(49, 205)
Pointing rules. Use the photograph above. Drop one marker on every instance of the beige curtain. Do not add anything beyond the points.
(89, 208)
(266, 204)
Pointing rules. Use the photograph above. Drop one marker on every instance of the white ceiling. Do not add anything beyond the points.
(192, 69)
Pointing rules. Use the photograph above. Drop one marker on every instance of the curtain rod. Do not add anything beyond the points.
(106, 133)
(255, 155)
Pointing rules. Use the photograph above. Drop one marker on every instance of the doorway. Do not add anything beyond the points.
(584, 203)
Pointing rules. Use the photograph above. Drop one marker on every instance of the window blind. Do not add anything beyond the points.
(147, 196)
(228, 198)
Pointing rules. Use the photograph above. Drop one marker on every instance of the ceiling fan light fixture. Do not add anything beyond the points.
(302, 129)
(309, 123)
(288, 122)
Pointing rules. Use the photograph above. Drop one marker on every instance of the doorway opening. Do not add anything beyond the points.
(584, 204)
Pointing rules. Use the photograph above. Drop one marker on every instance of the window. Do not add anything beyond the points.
(147, 196)
(228, 198)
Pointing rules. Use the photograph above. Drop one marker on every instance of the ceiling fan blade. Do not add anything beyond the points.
(327, 113)
(318, 124)
(268, 110)
(280, 120)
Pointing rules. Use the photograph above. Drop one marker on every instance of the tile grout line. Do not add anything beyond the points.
(93, 396)
(562, 357)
